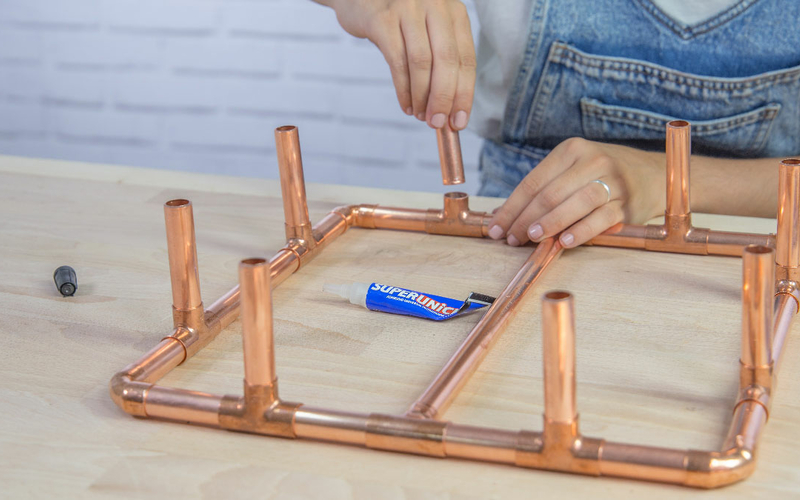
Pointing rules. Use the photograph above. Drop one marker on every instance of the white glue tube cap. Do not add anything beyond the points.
(356, 293)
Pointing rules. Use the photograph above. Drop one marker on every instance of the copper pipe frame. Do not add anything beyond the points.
(559, 446)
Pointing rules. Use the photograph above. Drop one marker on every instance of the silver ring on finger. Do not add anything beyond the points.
(608, 189)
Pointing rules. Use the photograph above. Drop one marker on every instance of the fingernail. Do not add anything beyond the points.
(513, 241)
(438, 120)
(496, 232)
(409, 111)
(535, 232)
(567, 239)
(460, 121)
(421, 117)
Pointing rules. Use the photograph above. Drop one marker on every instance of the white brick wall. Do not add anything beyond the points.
(200, 85)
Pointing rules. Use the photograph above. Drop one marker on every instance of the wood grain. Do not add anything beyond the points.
(658, 344)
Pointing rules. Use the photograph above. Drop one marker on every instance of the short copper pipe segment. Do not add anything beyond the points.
(256, 314)
(480, 443)
(460, 367)
(331, 425)
(678, 154)
(787, 305)
(182, 252)
(621, 236)
(788, 239)
(758, 289)
(558, 355)
(182, 405)
(293, 186)
(450, 155)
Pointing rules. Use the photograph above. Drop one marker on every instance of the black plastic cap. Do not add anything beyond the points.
(66, 280)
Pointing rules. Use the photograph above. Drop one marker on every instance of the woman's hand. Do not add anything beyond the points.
(428, 46)
(559, 195)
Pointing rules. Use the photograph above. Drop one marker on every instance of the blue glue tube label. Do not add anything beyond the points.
(398, 300)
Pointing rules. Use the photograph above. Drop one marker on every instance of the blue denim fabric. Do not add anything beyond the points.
(617, 71)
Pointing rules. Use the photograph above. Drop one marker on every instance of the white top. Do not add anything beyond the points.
(501, 44)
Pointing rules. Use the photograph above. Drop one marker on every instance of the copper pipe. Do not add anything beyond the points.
(450, 155)
(331, 425)
(787, 305)
(758, 288)
(444, 388)
(558, 355)
(293, 186)
(182, 253)
(787, 256)
(678, 153)
(456, 219)
(480, 443)
(702, 241)
(256, 304)
(732, 244)
(178, 404)
(621, 236)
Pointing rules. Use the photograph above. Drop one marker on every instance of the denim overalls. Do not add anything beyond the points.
(619, 70)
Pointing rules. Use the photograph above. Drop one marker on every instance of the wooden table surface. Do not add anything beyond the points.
(658, 340)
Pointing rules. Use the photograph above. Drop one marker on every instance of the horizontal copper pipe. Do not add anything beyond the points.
(702, 469)
(444, 388)
(181, 405)
(450, 155)
(704, 241)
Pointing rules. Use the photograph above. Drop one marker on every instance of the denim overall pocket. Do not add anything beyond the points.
(741, 135)
(610, 99)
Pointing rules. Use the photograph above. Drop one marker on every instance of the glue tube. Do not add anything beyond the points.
(396, 300)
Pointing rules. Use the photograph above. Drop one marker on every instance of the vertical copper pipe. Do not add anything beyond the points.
(450, 156)
(182, 255)
(678, 152)
(460, 367)
(293, 186)
(558, 353)
(788, 237)
(758, 288)
(259, 356)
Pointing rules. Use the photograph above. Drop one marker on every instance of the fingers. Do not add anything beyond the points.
(444, 74)
(420, 60)
(584, 201)
(558, 161)
(465, 88)
(388, 36)
(593, 224)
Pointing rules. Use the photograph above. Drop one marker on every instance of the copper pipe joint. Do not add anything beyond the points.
(758, 289)
(788, 238)
(256, 314)
(293, 185)
(450, 155)
(182, 252)
(558, 354)
(678, 153)
(456, 219)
